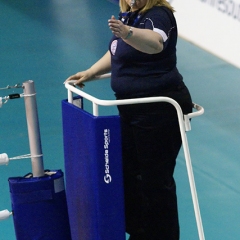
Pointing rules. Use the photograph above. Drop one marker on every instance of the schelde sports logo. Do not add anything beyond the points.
(107, 176)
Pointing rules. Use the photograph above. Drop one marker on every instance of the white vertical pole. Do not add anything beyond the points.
(70, 96)
(95, 109)
(190, 174)
(33, 128)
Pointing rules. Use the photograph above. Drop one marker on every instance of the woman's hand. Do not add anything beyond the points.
(144, 40)
(81, 77)
(118, 28)
(103, 65)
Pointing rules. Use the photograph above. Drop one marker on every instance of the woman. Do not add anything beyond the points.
(142, 59)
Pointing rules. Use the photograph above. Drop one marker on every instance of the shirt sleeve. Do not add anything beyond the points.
(160, 21)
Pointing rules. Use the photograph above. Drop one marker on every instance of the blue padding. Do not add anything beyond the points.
(93, 168)
(39, 207)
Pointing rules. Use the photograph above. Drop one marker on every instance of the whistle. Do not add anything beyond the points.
(132, 3)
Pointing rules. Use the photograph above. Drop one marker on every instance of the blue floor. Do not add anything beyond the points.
(47, 41)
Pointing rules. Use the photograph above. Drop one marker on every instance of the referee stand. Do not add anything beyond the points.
(92, 151)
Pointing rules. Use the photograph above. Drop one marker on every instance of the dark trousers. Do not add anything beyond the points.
(151, 141)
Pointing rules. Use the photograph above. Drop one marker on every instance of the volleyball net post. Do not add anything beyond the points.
(38, 199)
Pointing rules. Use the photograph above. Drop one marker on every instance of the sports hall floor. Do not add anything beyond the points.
(47, 41)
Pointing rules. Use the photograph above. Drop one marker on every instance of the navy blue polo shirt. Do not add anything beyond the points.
(136, 74)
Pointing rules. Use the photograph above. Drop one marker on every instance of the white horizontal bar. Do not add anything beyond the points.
(71, 88)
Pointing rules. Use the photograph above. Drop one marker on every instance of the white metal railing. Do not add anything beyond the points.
(184, 125)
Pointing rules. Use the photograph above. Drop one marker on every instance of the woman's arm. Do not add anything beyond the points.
(144, 40)
(103, 65)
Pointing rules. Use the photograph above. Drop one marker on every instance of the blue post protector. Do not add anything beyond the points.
(39, 207)
(93, 169)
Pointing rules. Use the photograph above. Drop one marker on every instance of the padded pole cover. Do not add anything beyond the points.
(39, 207)
(93, 168)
